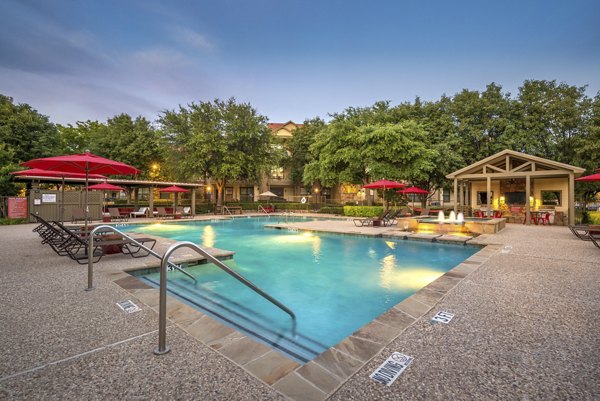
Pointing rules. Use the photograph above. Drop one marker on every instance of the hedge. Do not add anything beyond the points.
(363, 211)
(332, 210)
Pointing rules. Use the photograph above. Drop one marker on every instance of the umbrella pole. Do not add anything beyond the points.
(62, 201)
(86, 196)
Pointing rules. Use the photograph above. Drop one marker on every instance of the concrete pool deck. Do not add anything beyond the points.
(525, 327)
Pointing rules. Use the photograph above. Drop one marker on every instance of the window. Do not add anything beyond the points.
(551, 198)
(446, 195)
(247, 194)
(514, 198)
(277, 173)
(482, 197)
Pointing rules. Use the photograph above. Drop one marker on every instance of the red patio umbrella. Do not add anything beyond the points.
(384, 184)
(83, 163)
(36, 172)
(105, 186)
(176, 190)
(413, 190)
(593, 177)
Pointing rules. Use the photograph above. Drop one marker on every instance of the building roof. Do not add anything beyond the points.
(277, 126)
(510, 164)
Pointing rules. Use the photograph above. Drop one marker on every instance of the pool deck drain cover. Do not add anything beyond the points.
(128, 306)
(389, 371)
(442, 317)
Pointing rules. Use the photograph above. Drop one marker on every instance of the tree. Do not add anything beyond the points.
(298, 147)
(551, 117)
(361, 145)
(24, 134)
(221, 140)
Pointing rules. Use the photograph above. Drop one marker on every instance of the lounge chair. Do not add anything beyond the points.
(76, 246)
(390, 218)
(162, 212)
(595, 239)
(370, 220)
(185, 212)
(143, 211)
(585, 231)
(116, 215)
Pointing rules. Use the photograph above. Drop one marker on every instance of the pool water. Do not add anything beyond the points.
(335, 284)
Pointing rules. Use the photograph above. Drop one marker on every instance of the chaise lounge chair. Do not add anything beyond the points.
(585, 231)
(116, 215)
(369, 220)
(162, 212)
(143, 211)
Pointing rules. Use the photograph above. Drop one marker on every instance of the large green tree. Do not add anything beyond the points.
(223, 141)
(299, 147)
(24, 134)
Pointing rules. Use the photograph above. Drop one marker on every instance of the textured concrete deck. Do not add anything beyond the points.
(526, 327)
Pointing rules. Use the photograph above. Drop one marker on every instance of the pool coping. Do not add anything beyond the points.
(322, 376)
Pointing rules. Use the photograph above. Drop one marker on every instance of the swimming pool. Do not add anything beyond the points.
(334, 283)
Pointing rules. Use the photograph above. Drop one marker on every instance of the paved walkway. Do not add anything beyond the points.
(525, 327)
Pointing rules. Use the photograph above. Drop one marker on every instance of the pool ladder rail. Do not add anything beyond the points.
(162, 309)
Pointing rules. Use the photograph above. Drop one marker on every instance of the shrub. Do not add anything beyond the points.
(363, 211)
(4, 221)
(332, 210)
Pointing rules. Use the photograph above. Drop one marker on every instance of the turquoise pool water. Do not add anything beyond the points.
(334, 283)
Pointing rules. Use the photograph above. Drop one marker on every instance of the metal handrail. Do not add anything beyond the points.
(228, 211)
(162, 308)
(133, 240)
(260, 207)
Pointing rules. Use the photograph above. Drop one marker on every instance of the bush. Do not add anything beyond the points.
(363, 211)
(5, 221)
(332, 210)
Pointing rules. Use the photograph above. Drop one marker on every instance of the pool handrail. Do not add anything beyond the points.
(162, 308)
(260, 207)
(228, 211)
(134, 241)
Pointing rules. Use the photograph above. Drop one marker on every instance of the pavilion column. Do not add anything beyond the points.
(151, 201)
(527, 202)
(136, 198)
(194, 201)
(571, 199)
(455, 195)
(489, 198)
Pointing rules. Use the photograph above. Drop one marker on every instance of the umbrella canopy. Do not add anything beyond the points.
(413, 190)
(593, 177)
(83, 163)
(105, 186)
(37, 172)
(268, 194)
(173, 188)
(384, 184)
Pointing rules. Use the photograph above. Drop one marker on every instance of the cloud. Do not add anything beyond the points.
(191, 38)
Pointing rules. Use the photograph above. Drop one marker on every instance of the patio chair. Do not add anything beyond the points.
(76, 246)
(545, 219)
(185, 212)
(369, 220)
(585, 231)
(143, 211)
(595, 240)
(390, 218)
(162, 212)
(116, 215)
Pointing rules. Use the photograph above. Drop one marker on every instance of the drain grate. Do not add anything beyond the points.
(442, 317)
(128, 306)
(389, 371)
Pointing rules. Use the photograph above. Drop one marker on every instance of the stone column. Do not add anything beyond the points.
(527, 202)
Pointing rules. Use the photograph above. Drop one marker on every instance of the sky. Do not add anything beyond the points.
(291, 60)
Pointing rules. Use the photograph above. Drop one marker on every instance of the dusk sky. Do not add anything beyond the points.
(292, 60)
